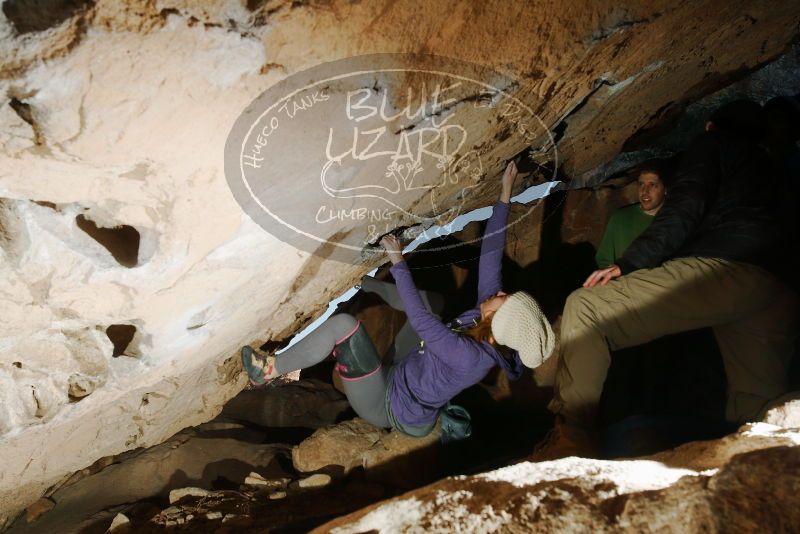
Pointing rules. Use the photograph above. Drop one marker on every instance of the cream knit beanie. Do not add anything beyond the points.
(520, 324)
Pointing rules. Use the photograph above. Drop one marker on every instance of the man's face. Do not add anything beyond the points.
(651, 192)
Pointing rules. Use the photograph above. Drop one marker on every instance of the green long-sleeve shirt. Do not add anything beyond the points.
(624, 226)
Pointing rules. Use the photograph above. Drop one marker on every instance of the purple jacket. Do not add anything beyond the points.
(448, 362)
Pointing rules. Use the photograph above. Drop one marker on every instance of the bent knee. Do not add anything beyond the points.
(581, 298)
(343, 325)
(582, 302)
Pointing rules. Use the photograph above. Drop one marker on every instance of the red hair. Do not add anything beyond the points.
(482, 331)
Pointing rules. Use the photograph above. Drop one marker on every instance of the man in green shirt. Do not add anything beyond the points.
(627, 223)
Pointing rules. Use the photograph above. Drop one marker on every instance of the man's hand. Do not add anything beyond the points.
(603, 276)
(509, 176)
(393, 248)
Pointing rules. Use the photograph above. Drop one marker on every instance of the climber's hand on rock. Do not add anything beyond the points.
(509, 176)
(393, 248)
(603, 276)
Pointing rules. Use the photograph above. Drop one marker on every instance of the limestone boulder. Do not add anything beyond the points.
(341, 445)
(743, 482)
(306, 404)
(129, 274)
(784, 412)
(298, 508)
(392, 457)
(190, 463)
(753, 491)
(703, 455)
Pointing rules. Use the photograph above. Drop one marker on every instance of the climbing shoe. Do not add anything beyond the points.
(260, 367)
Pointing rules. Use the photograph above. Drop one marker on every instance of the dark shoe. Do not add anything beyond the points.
(260, 367)
(565, 440)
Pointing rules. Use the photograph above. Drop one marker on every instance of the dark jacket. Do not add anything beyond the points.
(719, 205)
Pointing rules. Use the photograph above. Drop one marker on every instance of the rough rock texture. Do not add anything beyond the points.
(523, 239)
(752, 491)
(745, 482)
(703, 455)
(676, 123)
(785, 411)
(339, 445)
(129, 276)
(253, 510)
(307, 404)
(383, 455)
(211, 456)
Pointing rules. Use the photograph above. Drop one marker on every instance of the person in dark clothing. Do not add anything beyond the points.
(628, 222)
(783, 133)
(721, 203)
(502, 330)
(703, 262)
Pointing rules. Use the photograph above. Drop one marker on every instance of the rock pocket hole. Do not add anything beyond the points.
(25, 112)
(46, 204)
(121, 241)
(121, 336)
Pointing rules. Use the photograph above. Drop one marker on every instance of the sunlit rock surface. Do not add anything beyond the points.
(130, 276)
(746, 482)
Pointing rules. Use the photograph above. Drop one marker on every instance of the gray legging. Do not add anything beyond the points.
(366, 393)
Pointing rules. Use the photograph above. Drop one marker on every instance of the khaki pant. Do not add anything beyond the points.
(754, 317)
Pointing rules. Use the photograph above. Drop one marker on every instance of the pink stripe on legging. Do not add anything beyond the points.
(358, 323)
(362, 376)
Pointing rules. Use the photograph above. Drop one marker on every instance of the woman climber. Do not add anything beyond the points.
(441, 360)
